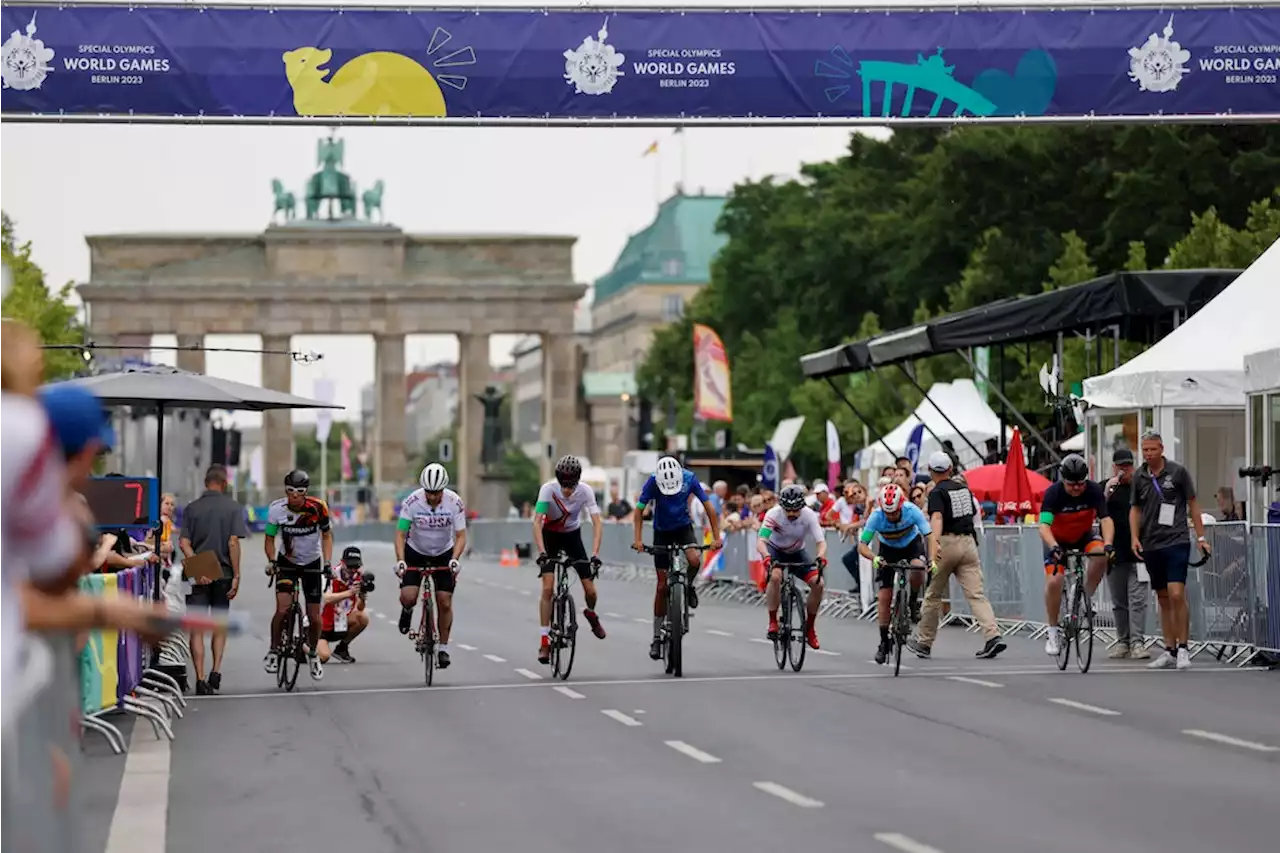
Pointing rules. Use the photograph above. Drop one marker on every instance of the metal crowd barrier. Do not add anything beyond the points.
(1228, 596)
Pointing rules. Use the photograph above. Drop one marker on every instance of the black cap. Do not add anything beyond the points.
(1122, 456)
(351, 557)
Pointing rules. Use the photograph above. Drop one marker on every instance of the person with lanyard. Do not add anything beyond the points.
(1164, 496)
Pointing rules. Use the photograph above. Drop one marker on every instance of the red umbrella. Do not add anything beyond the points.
(993, 482)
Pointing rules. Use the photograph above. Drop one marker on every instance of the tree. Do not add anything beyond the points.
(307, 452)
(51, 315)
(1212, 243)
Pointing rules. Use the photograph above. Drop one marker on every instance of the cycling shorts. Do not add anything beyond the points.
(1090, 544)
(680, 536)
(797, 563)
(570, 542)
(912, 551)
(309, 575)
(437, 564)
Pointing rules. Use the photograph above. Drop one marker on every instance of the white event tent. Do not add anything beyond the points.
(1262, 385)
(972, 417)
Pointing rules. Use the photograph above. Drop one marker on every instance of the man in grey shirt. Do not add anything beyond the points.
(214, 522)
(1163, 492)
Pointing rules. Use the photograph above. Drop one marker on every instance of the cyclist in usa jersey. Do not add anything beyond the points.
(671, 490)
(783, 534)
(903, 533)
(557, 528)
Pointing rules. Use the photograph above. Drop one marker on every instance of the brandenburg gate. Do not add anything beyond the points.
(343, 275)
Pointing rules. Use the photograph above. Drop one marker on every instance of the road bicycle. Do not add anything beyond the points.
(427, 638)
(793, 619)
(290, 647)
(1075, 614)
(563, 633)
(676, 623)
(900, 609)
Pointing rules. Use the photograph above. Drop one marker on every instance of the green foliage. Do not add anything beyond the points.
(935, 221)
(526, 479)
(307, 452)
(51, 315)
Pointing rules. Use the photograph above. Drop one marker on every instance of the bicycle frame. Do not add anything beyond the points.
(1075, 612)
(676, 623)
(790, 601)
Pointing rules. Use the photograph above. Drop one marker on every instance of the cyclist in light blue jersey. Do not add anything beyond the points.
(903, 533)
(670, 491)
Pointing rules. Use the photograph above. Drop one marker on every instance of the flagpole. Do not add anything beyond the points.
(684, 159)
(657, 178)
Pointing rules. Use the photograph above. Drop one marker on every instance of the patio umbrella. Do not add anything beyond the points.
(164, 387)
(988, 482)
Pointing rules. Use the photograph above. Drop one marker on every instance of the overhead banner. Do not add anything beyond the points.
(201, 63)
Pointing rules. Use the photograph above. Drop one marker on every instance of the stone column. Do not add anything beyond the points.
(474, 373)
(389, 463)
(560, 423)
(277, 426)
(193, 360)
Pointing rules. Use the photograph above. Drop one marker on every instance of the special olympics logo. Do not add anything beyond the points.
(1160, 63)
(593, 68)
(24, 60)
(770, 471)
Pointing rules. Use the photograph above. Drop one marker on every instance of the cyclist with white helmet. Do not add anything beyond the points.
(430, 537)
(783, 534)
(557, 528)
(903, 533)
(671, 489)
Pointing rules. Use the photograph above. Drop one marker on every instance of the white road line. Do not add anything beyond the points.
(466, 648)
(621, 717)
(825, 652)
(787, 794)
(890, 663)
(139, 824)
(638, 712)
(529, 674)
(1231, 741)
(525, 592)
(641, 620)
(901, 842)
(570, 692)
(613, 615)
(715, 633)
(495, 658)
(977, 681)
(381, 615)
(762, 640)
(693, 752)
(1080, 706)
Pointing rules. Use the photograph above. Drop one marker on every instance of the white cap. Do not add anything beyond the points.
(939, 462)
(820, 486)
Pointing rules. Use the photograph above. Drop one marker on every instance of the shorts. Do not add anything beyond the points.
(1167, 565)
(679, 536)
(212, 595)
(310, 575)
(333, 636)
(913, 550)
(570, 542)
(798, 563)
(437, 564)
(1090, 544)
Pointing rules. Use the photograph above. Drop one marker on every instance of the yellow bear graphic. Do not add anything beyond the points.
(372, 84)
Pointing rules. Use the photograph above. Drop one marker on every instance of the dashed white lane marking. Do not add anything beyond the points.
(466, 648)
(621, 717)
(762, 640)
(889, 663)
(693, 752)
(525, 592)
(977, 681)
(495, 658)
(1080, 706)
(637, 712)
(529, 674)
(570, 692)
(715, 633)
(140, 821)
(787, 794)
(613, 615)
(381, 615)
(825, 652)
(641, 620)
(1231, 741)
(901, 842)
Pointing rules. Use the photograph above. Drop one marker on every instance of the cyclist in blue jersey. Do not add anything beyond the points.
(670, 490)
(903, 533)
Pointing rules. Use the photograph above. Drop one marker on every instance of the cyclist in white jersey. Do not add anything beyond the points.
(430, 537)
(782, 544)
(557, 527)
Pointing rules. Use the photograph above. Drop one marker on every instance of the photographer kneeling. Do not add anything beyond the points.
(344, 616)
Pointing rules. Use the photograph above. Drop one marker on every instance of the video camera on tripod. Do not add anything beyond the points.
(1258, 472)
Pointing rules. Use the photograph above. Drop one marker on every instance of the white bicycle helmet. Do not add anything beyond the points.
(434, 478)
(669, 476)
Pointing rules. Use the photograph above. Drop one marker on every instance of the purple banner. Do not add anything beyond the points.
(200, 63)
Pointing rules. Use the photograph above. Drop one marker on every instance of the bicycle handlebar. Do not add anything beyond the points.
(667, 549)
(563, 559)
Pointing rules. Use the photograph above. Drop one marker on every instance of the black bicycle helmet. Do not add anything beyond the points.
(297, 479)
(791, 498)
(1074, 469)
(568, 471)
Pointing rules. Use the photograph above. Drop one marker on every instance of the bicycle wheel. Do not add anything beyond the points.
(426, 640)
(675, 632)
(898, 618)
(292, 662)
(1065, 626)
(565, 646)
(1082, 616)
(796, 639)
(283, 645)
(780, 644)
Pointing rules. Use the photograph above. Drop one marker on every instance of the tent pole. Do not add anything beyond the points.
(1013, 410)
(866, 423)
(160, 445)
(1004, 415)
(950, 422)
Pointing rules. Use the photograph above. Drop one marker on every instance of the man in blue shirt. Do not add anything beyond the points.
(670, 490)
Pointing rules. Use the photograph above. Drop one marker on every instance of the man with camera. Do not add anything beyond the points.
(344, 615)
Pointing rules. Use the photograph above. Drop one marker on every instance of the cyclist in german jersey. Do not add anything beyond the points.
(557, 528)
(1068, 512)
(430, 537)
(782, 544)
(306, 549)
(672, 490)
(903, 533)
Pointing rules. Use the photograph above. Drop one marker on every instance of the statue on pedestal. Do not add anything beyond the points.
(491, 432)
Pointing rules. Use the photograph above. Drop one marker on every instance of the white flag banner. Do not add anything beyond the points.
(833, 443)
(325, 391)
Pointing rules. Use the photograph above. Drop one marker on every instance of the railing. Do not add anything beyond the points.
(1234, 598)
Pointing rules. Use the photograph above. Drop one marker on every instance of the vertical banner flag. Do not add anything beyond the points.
(769, 470)
(346, 457)
(833, 457)
(325, 392)
(913, 446)
(712, 395)
(982, 377)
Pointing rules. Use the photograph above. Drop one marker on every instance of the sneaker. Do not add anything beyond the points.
(442, 660)
(594, 621)
(202, 688)
(655, 649)
(342, 653)
(693, 597)
(773, 629)
(405, 617)
(882, 652)
(1053, 645)
(1165, 661)
(1138, 651)
(215, 681)
(919, 649)
(811, 637)
(271, 663)
(1184, 658)
(544, 650)
(317, 668)
(992, 647)
(1119, 651)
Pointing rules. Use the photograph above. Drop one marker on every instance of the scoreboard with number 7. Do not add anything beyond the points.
(124, 501)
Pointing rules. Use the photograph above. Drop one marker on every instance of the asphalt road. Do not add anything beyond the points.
(957, 755)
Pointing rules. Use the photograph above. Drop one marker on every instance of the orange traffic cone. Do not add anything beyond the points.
(508, 558)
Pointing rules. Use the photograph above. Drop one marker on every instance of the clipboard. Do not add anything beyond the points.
(202, 567)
